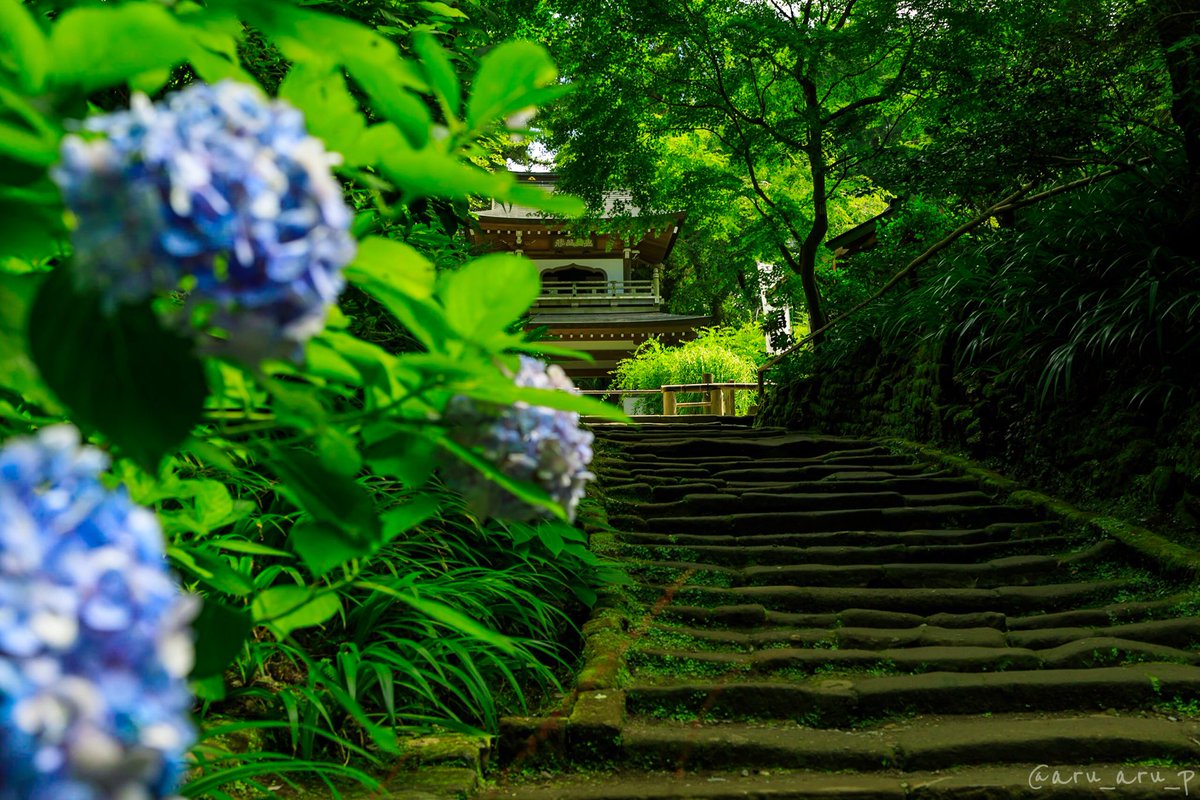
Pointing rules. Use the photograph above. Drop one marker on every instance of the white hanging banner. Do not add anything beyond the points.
(776, 320)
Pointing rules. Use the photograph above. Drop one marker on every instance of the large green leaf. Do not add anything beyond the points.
(396, 265)
(17, 371)
(26, 135)
(322, 546)
(220, 633)
(285, 608)
(123, 374)
(511, 77)
(23, 51)
(487, 295)
(403, 518)
(403, 454)
(330, 113)
(439, 71)
(97, 46)
(326, 494)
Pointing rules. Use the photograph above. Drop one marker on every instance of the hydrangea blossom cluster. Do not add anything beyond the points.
(528, 443)
(218, 191)
(94, 633)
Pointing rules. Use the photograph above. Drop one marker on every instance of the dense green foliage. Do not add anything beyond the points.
(784, 122)
(348, 595)
(730, 355)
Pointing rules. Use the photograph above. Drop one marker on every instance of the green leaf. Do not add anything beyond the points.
(397, 105)
(339, 450)
(97, 46)
(489, 294)
(211, 569)
(26, 135)
(23, 49)
(330, 112)
(286, 608)
(17, 371)
(563, 205)
(323, 547)
(505, 392)
(447, 615)
(442, 10)
(439, 71)
(220, 633)
(508, 81)
(325, 494)
(407, 456)
(399, 520)
(124, 375)
(395, 265)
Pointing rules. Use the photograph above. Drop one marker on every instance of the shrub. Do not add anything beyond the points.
(730, 354)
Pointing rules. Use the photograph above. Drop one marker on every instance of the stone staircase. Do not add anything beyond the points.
(815, 616)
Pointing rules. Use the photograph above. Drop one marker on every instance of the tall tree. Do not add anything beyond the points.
(807, 90)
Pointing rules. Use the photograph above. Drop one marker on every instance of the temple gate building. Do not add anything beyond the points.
(601, 293)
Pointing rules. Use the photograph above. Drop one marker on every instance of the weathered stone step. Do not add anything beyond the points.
(952, 741)
(759, 447)
(1083, 779)
(1128, 611)
(726, 503)
(843, 701)
(883, 519)
(1084, 653)
(918, 484)
(999, 532)
(751, 615)
(1007, 571)
(807, 470)
(1182, 633)
(651, 458)
(1007, 600)
(748, 555)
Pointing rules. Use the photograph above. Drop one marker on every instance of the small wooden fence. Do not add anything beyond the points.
(718, 397)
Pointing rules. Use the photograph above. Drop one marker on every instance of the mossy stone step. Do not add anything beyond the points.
(757, 446)
(877, 519)
(1084, 653)
(917, 484)
(698, 503)
(1006, 571)
(753, 615)
(749, 555)
(807, 470)
(1000, 532)
(1007, 600)
(1110, 614)
(909, 745)
(1182, 632)
(1031, 781)
(841, 702)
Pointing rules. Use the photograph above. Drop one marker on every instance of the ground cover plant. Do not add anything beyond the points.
(367, 505)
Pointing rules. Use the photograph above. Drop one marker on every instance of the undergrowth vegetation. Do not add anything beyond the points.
(1087, 303)
(730, 355)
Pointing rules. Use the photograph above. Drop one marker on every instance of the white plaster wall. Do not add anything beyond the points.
(613, 267)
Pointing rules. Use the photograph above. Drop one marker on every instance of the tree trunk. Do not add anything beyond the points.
(815, 153)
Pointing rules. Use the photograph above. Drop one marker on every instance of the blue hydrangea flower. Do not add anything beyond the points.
(217, 191)
(95, 642)
(534, 444)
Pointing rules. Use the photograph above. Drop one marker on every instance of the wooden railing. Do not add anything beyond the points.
(600, 292)
(718, 397)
